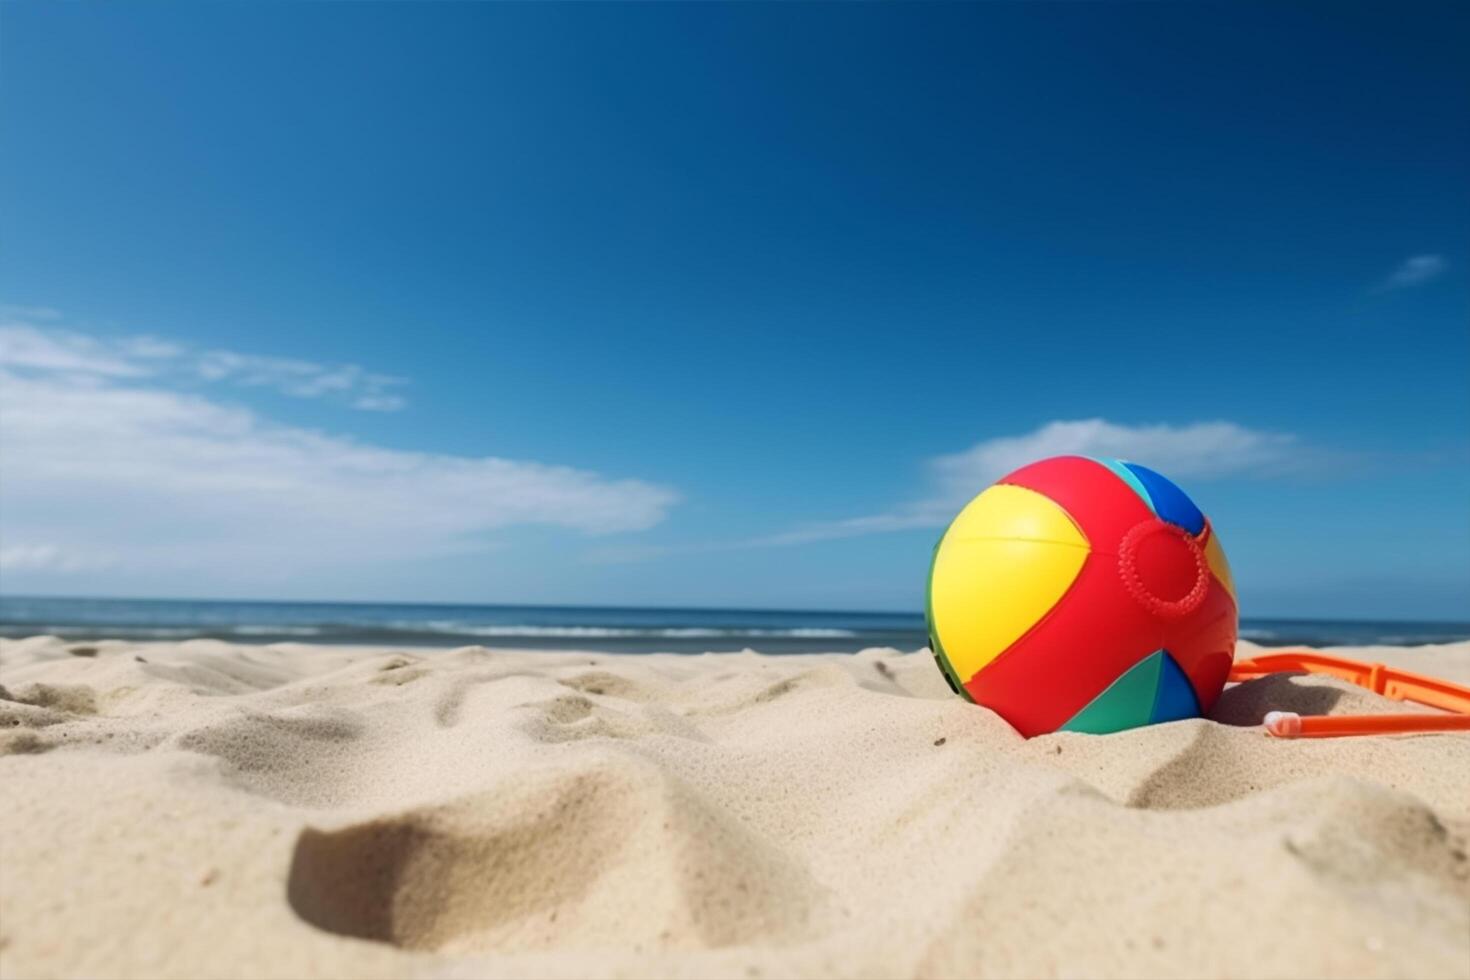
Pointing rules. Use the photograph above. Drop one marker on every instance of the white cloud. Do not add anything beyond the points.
(1199, 451)
(1415, 271)
(379, 403)
(26, 345)
(103, 465)
(48, 557)
(1202, 450)
(302, 379)
(8, 310)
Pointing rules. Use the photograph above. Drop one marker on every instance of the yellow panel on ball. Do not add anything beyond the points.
(1008, 558)
(1215, 556)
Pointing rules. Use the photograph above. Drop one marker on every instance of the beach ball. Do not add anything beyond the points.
(1083, 594)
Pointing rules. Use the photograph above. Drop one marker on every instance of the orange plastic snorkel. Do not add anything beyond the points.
(1401, 685)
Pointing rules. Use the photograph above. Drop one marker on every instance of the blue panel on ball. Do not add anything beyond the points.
(1174, 698)
(1170, 503)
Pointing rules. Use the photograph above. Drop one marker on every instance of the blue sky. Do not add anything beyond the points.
(723, 305)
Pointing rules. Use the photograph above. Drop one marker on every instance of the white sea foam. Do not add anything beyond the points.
(250, 629)
(142, 632)
(572, 632)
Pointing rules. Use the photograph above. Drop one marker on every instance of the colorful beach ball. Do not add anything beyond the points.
(1081, 594)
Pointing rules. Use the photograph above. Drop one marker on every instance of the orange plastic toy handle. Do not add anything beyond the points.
(1401, 685)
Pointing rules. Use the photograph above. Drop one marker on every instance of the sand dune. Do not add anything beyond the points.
(202, 809)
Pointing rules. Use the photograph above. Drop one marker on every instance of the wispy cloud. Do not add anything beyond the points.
(1199, 451)
(48, 557)
(26, 343)
(108, 462)
(23, 345)
(303, 379)
(13, 310)
(1415, 271)
(1202, 450)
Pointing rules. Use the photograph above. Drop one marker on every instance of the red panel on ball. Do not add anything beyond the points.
(1096, 498)
(1091, 637)
(1204, 644)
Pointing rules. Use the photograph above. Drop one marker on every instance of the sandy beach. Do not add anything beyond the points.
(203, 809)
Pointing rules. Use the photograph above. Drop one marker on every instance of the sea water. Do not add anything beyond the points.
(614, 629)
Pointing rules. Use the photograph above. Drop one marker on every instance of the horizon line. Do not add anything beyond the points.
(645, 608)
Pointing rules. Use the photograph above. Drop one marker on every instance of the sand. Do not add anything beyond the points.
(203, 809)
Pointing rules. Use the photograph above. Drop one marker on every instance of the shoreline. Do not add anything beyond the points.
(610, 628)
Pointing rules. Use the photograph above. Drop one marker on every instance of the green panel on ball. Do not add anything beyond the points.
(935, 647)
(1128, 702)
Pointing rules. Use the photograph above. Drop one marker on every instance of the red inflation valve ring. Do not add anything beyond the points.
(1163, 568)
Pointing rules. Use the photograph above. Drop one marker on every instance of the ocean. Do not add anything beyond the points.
(611, 629)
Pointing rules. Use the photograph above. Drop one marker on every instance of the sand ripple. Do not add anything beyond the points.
(206, 809)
